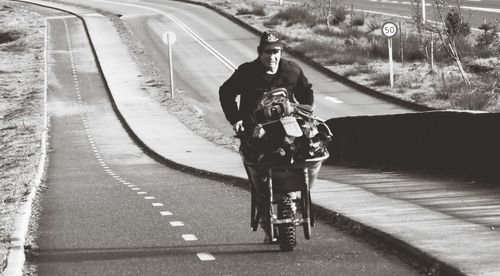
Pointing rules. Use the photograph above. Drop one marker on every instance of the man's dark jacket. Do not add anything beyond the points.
(250, 81)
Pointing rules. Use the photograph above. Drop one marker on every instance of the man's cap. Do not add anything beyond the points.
(269, 40)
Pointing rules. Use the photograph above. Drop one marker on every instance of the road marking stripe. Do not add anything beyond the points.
(176, 223)
(190, 32)
(136, 189)
(166, 213)
(333, 99)
(205, 256)
(149, 197)
(141, 193)
(189, 237)
(157, 204)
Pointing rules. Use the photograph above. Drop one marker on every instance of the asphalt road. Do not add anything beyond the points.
(111, 210)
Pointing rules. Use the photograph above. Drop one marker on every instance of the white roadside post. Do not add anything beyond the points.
(423, 11)
(169, 39)
(389, 30)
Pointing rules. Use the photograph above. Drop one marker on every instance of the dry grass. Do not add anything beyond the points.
(252, 8)
(21, 82)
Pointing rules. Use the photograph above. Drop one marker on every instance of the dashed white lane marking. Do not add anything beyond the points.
(189, 237)
(205, 256)
(176, 223)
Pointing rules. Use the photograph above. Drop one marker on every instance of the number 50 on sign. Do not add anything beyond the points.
(389, 29)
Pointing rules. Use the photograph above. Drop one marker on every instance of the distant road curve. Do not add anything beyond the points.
(475, 11)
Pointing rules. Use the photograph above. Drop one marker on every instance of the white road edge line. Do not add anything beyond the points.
(190, 32)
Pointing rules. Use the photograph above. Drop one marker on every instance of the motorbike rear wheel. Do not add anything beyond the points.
(287, 232)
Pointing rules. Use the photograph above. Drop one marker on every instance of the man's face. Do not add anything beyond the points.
(270, 58)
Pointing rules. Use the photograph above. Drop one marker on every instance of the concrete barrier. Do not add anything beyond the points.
(461, 144)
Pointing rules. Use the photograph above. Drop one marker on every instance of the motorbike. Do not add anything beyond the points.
(282, 156)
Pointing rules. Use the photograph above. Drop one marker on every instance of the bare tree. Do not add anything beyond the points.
(326, 9)
(447, 29)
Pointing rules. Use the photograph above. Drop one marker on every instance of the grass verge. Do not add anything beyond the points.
(21, 110)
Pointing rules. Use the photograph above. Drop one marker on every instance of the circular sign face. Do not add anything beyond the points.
(168, 38)
(389, 29)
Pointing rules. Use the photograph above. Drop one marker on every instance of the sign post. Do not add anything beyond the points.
(169, 39)
(423, 11)
(389, 30)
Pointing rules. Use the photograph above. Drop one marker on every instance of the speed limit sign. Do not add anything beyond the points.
(389, 29)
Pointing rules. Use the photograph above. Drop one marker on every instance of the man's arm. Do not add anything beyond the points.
(303, 90)
(227, 97)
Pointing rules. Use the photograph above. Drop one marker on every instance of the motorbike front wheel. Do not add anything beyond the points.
(287, 232)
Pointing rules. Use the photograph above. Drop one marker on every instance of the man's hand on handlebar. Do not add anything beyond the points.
(238, 127)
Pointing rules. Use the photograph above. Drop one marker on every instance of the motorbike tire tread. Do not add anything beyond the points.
(287, 233)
